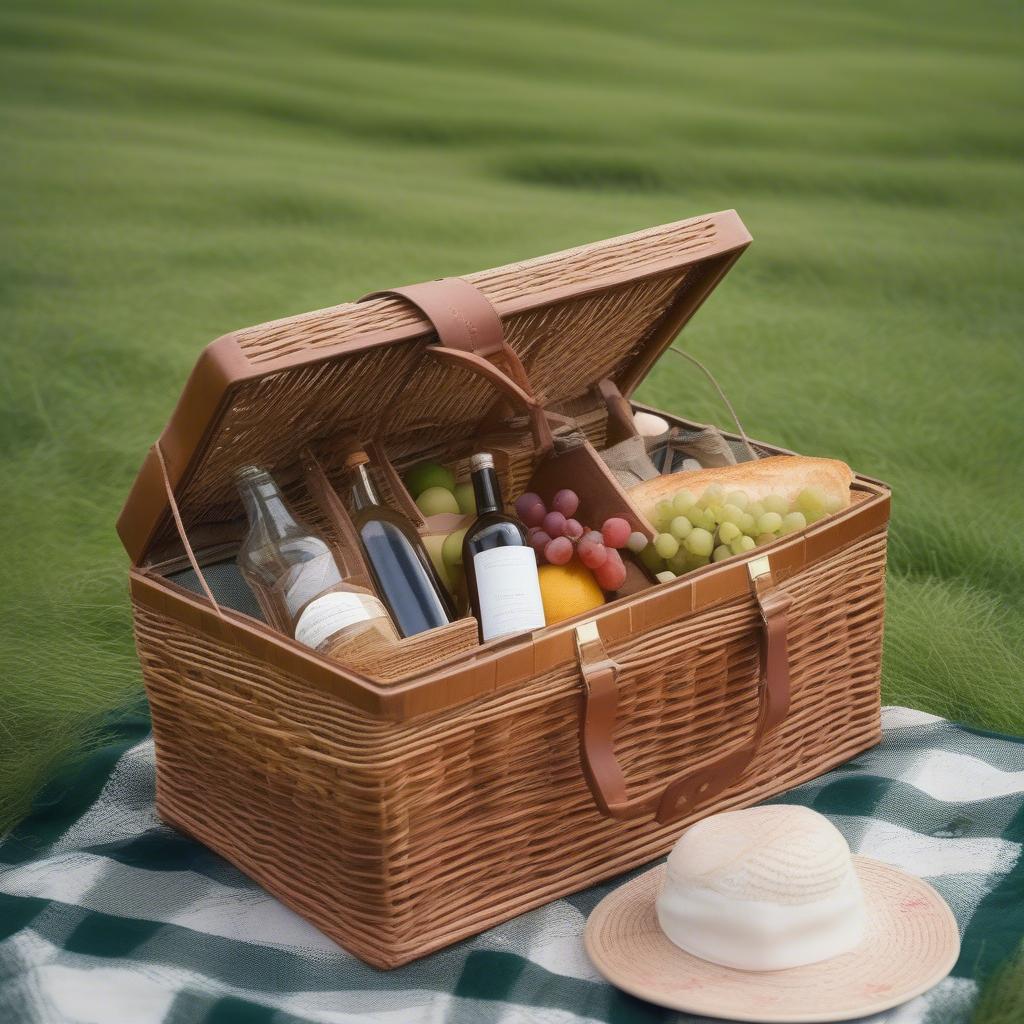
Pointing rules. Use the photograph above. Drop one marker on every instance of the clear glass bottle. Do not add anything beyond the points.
(293, 562)
(402, 571)
(501, 568)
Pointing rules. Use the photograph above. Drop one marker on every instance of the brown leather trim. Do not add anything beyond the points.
(474, 363)
(222, 367)
(459, 313)
(598, 710)
(471, 336)
(508, 662)
(598, 713)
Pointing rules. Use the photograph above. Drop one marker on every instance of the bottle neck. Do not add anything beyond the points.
(264, 504)
(363, 493)
(486, 491)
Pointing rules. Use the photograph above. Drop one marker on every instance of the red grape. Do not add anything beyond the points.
(592, 555)
(566, 502)
(539, 540)
(559, 551)
(612, 574)
(573, 529)
(530, 509)
(554, 523)
(616, 532)
(593, 536)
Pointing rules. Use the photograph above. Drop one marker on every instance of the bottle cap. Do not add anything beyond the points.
(482, 460)
(356, 458)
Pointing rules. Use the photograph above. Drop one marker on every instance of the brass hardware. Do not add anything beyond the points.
(586, 632)
(758, 567)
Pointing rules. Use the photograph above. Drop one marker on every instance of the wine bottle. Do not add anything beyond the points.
(501, 568)
(402, 571)
(288, 559)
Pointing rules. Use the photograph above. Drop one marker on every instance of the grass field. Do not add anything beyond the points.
(176, 170)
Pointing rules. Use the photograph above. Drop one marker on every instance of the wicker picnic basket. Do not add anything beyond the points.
(404, 807)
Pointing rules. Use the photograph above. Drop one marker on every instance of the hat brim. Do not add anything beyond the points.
(910, 944)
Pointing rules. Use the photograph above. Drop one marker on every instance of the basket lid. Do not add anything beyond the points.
(604, 310)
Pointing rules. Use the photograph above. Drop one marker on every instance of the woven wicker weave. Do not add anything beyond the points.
(402, 811)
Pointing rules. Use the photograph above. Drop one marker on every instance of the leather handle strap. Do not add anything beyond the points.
(470, 335)
(681, 795)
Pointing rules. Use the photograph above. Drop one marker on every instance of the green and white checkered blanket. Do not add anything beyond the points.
(109, 917)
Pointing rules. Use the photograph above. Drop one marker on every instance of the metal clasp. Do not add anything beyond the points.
(758, 567)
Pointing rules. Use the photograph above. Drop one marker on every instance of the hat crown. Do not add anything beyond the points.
(781, 854)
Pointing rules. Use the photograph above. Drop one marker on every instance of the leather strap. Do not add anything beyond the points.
(470, 335)
(681, 795)
(182, 536)
(461, 314)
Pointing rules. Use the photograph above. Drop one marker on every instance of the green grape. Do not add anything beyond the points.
(696, 561)
(715, 511)
(793, 521)
(651, 559)
(714, 494)
(695, 515)
(813, 517)
(833, 504)
(743, 544)
(811, 501)
(666, 545)
(728, 532)
(732, 514)
(710, 522)
(680, 562)
(682, 502)
(721, 552)
(700, 542)
(769, 522)
(680, 527)
(775, 503)
(738, 498)
(663, 514)
(756, 509)
(748, 524)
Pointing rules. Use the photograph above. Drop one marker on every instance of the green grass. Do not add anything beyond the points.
(177, 170)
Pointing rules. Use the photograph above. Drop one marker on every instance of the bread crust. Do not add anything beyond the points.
(786, 475)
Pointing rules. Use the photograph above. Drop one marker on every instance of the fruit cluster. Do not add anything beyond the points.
(694, 531)
(435, 491)
(557, 536)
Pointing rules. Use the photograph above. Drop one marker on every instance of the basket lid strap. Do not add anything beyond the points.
(461, 314)
(182, 536)
(470, 334)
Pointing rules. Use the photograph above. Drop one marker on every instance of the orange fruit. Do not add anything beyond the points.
(568, 590)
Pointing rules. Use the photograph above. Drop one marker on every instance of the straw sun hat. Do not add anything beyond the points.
(763, 915)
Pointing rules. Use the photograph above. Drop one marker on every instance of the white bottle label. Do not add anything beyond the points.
(330, 614)
(508, 591)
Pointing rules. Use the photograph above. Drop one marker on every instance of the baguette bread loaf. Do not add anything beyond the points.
(785, 475)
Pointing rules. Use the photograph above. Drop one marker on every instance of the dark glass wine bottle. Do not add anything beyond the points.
(404, 576)
(501, 568)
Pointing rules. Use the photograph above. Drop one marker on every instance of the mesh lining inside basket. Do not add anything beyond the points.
(226, 584)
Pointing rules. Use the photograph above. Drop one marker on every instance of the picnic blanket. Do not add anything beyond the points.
(107, 916)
